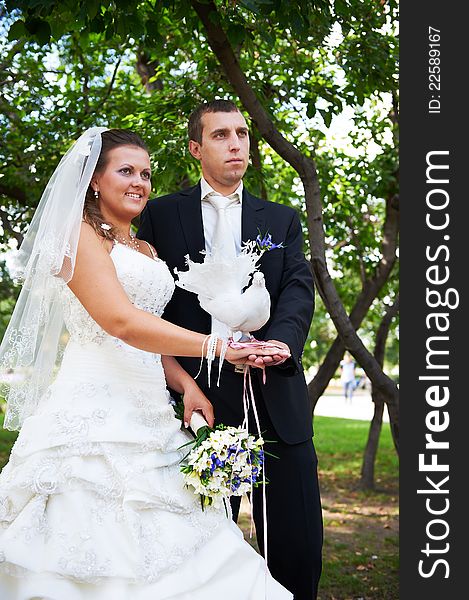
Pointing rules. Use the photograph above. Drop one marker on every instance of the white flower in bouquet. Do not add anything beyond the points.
(223, 462)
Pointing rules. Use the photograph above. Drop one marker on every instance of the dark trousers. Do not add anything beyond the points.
(294, 518)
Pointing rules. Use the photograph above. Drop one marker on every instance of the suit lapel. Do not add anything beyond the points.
(253, 217)
(190, 215)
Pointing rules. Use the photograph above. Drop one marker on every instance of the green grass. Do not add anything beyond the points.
(361, 574)
(340, 444)
(7, 439)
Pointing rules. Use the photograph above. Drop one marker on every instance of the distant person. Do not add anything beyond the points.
(347, 376)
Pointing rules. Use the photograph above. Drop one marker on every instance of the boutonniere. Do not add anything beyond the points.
(264, 243)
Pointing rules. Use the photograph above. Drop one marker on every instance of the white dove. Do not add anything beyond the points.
(219, 285)
(244, 312)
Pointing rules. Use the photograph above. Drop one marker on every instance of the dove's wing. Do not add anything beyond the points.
(244, 312)
(219, 284)
(256, 309)
(226, 308)
(206, 279)
(214, 277)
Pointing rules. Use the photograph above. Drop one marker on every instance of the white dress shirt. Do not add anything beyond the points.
(209, 216)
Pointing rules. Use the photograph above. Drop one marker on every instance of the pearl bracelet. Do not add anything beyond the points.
(210, 354)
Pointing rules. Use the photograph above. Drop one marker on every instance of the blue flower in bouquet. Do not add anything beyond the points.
(216, 462)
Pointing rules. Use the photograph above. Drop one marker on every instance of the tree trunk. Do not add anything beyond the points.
(371, 449)
(306, 169)
(146, 68)
(367, 480)
(257, 163)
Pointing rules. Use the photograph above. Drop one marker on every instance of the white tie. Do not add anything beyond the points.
(223, 241)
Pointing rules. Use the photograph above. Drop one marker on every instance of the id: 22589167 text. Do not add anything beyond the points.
(434, 70)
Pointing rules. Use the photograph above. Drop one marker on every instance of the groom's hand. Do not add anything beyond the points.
(278, 359)
(254, 360)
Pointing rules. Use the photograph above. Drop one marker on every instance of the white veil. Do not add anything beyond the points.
(44, 262)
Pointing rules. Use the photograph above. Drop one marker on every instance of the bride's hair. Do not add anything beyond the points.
(110, 139)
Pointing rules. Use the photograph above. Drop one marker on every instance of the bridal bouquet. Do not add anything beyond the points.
(223, 462)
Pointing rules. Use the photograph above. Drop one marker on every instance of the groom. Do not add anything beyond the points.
(184, 223)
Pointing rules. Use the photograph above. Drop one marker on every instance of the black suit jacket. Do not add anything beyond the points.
(173, 224)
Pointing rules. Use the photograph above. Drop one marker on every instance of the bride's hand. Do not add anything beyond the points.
(195, 399)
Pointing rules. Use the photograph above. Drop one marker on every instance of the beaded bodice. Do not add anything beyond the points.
(147, 282)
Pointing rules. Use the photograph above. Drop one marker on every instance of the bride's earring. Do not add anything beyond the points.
(96, 194)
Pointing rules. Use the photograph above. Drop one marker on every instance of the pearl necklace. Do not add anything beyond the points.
(132, 242)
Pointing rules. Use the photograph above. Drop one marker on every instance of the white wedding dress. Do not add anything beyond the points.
(92, 501)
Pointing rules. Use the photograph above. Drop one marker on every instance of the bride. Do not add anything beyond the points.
(92, 501)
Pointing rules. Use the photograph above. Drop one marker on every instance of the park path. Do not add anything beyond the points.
(333, 404)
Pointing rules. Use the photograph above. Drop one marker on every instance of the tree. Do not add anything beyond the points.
(369, 456)
(371, 249)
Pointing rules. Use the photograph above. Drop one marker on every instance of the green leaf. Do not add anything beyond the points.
(236, 34)
(127, 5)
(251, 5)
(17, 30)
(152, 29)
(97, 25)
(311, 109)
(110, 31)
(92, 7)
(137, 28)
(39, 29)
(327, 116)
